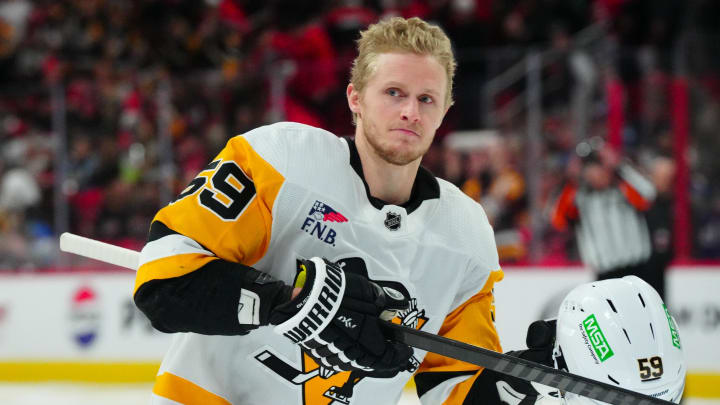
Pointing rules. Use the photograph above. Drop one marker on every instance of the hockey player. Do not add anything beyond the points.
(274, 264)
(616, 331)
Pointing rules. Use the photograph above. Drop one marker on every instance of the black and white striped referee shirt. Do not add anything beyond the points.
(610, 226)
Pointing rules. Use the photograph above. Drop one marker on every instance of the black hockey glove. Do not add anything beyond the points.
(335, 318)
(540, 341)
(493, 388)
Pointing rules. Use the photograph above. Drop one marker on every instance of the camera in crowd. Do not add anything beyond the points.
(589, 150)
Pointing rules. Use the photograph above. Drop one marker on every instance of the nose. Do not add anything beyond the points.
(411, 110)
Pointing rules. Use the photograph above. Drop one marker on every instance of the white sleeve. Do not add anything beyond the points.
(637, 181)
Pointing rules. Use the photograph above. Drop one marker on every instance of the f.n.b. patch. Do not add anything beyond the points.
(317, 222)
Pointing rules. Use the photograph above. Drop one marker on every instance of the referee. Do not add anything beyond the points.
(605, 203)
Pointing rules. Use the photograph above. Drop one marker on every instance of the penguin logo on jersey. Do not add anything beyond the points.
(325, 386)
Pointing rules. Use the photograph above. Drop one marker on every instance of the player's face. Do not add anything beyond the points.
(597, 176)
(401, 106)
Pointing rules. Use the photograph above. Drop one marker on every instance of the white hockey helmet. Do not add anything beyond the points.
(620, 332)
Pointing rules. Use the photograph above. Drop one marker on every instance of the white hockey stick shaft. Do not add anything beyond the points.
(101, 251)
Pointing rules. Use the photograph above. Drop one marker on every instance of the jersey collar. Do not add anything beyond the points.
(425, 187)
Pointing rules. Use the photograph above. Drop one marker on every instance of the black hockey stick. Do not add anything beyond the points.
(285, 370)
(517, 367)
(502, 363)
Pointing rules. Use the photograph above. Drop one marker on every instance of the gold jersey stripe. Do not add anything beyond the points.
(244, 240)
(169, 267)
(460, 391)
(494, 277)
(170, 245)
(479, 307)
(185, 392)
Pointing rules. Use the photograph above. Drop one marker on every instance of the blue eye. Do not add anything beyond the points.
(393, 92)
(426, 99)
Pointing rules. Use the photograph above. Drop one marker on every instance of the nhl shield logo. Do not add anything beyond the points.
(392, 221)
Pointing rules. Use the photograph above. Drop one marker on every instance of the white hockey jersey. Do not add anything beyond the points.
(287, 191)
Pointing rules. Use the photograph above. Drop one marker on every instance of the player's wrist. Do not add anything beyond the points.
(321, 289)
(259, 296)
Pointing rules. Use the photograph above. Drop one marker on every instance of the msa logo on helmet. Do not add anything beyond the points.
(597, 338)
(673, 329)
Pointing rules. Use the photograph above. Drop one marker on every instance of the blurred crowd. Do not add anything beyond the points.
(147, 92)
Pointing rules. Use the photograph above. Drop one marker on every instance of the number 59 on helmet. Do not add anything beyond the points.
(620, 332)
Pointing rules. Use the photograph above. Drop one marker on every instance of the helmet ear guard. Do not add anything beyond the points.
(620, 332)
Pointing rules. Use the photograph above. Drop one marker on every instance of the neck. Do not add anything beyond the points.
(386, 181)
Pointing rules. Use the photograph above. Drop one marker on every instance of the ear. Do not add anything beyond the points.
(353, 98)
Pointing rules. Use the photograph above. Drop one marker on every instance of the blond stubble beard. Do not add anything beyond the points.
(392, 156)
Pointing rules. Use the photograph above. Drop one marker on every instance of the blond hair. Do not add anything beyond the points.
(402, 35)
